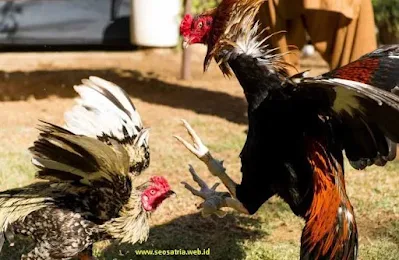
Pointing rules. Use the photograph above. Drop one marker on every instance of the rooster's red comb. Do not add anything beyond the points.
(161, 181)
(185, 25)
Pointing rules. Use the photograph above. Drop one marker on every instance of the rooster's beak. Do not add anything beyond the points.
(169, 193)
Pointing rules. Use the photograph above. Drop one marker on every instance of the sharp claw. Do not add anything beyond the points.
(191, 132)
(197, 179)
(197, 147)
(184, 142)
(194, 191)
(190, 147)
(215, 186)
(185, 123)
(187, 186)
(191, 170)
(184, 183)
(212, 199)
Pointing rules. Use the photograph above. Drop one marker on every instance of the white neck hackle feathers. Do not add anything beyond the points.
(249, 42)
(240, 35)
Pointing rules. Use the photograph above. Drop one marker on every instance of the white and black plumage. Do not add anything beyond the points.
(87, 191)
(88, 195)
(105, 111)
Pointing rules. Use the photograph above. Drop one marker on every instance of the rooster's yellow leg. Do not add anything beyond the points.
(202, 152)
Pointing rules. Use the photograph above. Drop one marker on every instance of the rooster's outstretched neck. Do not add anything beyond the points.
(257, 68)
(250, 75)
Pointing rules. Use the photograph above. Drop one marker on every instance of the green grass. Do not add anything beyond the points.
(272, 233)
(15, 169)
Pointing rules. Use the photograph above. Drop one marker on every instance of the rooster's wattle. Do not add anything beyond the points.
(87, 190)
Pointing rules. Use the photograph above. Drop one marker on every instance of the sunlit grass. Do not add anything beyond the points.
(272, 233)
(15, 169)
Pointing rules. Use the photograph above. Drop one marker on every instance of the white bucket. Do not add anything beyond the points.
(155, 23)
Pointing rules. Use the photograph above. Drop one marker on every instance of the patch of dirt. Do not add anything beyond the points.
(39, 86)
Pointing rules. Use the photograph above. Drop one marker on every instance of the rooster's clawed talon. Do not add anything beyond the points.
(197, 148)
(201, 151)
(213, 200)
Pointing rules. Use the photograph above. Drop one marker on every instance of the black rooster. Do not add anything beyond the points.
(298, 128)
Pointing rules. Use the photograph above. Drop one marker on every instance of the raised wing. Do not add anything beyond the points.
(359, 97)
(104, 111)
(62, 156)
(378, 68)
(368, 113)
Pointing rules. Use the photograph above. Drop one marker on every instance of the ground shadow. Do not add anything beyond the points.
(224, 238)
(42, 84)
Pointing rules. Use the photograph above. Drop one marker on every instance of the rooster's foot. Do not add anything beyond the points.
(213, 200)
(201, 151)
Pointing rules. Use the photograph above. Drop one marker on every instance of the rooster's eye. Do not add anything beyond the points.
(152, 192)
(200, 25)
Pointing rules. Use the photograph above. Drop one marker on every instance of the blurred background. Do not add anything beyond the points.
(65, 22)
(47, 46)
(125, 22)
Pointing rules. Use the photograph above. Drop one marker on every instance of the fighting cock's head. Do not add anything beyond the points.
(155, 192)
(195, 29)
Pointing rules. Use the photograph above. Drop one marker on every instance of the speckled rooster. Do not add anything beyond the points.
(298, 128)
(87, 192)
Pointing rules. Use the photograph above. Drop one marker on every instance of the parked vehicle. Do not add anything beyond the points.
(64, 22)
